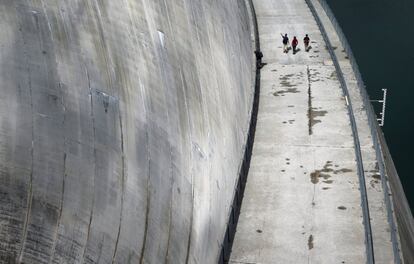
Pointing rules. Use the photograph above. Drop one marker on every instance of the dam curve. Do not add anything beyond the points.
(127, 129)
(123, 126)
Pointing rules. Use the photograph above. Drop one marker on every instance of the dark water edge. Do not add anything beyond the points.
(381, 34)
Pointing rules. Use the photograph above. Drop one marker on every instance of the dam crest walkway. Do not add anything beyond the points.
(303, 198)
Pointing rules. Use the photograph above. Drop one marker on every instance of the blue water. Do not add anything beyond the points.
(381, 34)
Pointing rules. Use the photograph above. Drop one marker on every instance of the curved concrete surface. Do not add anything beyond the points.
(122, 125)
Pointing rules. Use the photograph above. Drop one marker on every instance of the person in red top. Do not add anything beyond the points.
(294, 44)
(306, 40)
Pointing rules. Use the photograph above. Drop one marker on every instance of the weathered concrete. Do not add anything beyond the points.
(122, 125)
(302, 202)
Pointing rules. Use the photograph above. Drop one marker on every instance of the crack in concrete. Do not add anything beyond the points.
(309, 102)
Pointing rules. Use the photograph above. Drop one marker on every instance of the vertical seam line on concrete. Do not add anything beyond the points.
(147, 149)
(63, 180)
(172, 180)
(191, 228)
(94, 166)
(189, 11)
(144, 243)
(361, 173)
(30, 191)
(64, 147)
(191, 172)
(122, 183)
(148, 114)
(171, 152)
(171, 205)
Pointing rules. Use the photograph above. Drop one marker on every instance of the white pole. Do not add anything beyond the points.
(384, 101)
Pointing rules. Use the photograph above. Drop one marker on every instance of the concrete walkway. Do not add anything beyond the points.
(302, 202)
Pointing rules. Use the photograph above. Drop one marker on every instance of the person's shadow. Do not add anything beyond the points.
(296, 51)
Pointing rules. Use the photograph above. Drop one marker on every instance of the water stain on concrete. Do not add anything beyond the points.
(315, 177)
(324, 173)
(344, 170)
(376, 176)
(285, 80)
(286, 77)
(313, 114)
(310, 242)
(287, 84)
(283, 92)
(374, 183)
(333, 76)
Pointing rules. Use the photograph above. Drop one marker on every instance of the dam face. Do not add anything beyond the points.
(122, 128)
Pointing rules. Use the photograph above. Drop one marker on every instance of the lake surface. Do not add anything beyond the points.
(381, 34)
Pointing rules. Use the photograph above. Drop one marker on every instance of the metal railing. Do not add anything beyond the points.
(238, 194)
(372, 120)
(361, 173)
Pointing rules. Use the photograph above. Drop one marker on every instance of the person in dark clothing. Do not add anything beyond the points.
(285, 42)
(259, 56)
(294, 44)
(306, 41)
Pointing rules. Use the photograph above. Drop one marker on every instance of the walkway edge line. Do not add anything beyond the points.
(376, 134)
(234, 212)
(358, 154)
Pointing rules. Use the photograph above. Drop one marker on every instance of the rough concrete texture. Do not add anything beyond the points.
(122, 125)
(302, 200)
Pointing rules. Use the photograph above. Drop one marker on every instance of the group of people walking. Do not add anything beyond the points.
(286, 48)
(295, 42)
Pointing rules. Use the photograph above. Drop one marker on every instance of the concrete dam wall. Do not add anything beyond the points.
(122, 128)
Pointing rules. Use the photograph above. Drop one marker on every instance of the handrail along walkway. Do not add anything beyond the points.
(361, 173)
(373, 124)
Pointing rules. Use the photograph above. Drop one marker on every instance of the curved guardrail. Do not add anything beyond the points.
(361, 173)
(374, 128)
